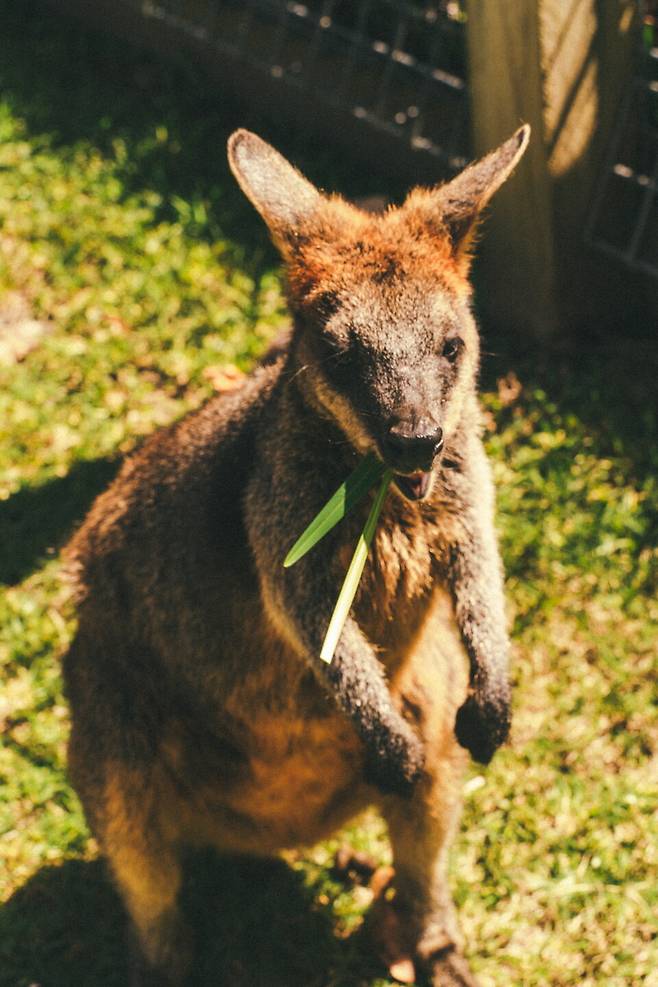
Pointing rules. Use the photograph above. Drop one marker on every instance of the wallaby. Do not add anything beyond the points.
(201, 712)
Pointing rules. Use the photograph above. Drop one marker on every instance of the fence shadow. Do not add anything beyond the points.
(161, 122)
(605, 382)
(255, 922)
(35, 521)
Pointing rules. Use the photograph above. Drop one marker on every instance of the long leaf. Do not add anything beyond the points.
(351, 581)
(348, 494)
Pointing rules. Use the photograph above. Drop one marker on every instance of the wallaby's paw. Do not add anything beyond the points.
(482, 726)
(395, 762)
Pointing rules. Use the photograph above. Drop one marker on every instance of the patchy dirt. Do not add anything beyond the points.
(20, 333)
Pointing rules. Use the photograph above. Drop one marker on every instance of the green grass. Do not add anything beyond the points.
(121, 229)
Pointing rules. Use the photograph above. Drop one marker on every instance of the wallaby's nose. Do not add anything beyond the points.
(407, 449)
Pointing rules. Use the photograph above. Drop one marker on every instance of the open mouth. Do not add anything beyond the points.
(415, 486)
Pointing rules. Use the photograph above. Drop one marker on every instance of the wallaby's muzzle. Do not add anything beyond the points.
(411, 452)
(408, 450)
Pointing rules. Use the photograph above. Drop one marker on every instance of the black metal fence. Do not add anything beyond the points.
(624, 218)
(388, 81)
(399, 67)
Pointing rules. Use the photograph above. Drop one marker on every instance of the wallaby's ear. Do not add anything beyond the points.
(285, 199)
(457, 204)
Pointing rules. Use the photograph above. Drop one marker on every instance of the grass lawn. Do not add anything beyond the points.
(131, 273)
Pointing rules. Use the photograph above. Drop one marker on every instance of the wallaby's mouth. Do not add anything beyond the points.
(414, 486)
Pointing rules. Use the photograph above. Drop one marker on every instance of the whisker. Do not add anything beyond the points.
(300, 370)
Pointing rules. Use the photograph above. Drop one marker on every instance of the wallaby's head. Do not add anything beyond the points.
(385, 343)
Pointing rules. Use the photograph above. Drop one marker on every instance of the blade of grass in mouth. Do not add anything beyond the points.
(351, 581)
(349, 493)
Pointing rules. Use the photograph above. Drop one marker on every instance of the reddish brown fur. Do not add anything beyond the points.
(399, 240)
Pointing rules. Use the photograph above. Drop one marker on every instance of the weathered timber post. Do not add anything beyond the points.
(559, 65)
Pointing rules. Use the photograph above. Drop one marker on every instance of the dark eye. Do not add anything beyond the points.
(332, 343)
(452, 348)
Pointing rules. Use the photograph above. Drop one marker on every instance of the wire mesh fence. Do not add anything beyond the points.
(389, 83)
(624, 217)
(397, 65)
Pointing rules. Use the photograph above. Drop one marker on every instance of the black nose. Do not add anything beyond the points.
(406, 449)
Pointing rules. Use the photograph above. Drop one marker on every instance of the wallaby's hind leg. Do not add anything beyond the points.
(116, 735)
(147, 871)
(162, 946)
(421, 831)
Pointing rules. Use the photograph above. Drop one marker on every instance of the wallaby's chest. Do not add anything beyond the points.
(402, 580)
(292, 770)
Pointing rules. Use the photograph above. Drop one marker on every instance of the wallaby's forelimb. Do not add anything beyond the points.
(394, 755)
(483, 722)
(355, 678)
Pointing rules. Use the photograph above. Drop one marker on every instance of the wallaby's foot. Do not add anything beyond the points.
(391, 931)
(390, 937)
(353, 865)
(142, 975)
(171, 951)
(448, 968)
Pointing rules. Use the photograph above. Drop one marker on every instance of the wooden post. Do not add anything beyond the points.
(560, 66)
(518, 283)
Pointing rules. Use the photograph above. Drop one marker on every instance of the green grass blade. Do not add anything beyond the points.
(344, 499)
(351, 581)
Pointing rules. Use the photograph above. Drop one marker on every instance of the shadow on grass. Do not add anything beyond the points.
(76, 86)
(35, 521)
(608, 384)
(255, 923)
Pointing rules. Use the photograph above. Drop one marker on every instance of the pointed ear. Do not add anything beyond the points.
(285, 199)
(457, 204)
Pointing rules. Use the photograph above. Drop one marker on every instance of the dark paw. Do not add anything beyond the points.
(481, 727)
(394, 762)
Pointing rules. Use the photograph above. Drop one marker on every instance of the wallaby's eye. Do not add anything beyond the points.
(333, 344)
(452, 348)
